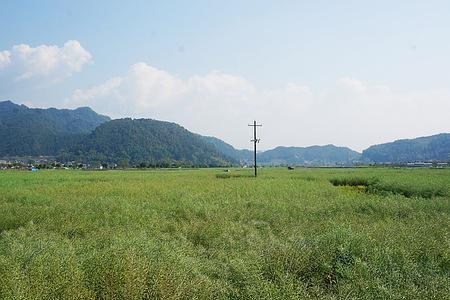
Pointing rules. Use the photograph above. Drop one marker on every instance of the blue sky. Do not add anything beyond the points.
(345, 72)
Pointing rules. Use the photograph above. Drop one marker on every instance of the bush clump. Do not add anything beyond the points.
(375, 186)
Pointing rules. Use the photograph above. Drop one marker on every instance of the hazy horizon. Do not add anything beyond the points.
(351, 73)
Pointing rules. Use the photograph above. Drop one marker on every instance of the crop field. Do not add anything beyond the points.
(208, 234)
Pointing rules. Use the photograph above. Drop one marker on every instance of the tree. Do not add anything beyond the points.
(123, 163)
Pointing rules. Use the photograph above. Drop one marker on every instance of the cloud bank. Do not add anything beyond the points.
(351, 112)
(47, 63)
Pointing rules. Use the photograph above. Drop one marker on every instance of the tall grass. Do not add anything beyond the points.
(407, 189)
(189, 234)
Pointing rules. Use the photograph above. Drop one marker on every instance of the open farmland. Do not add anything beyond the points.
(203, 234)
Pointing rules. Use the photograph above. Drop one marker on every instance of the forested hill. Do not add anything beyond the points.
(35, 131)
(83, 135)
(430, 148)
(243, 156)
(146, 141)
(328, 155)
(76, 135)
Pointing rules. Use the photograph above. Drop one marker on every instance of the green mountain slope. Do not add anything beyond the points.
(146, 141)
(315, 155)
(242, 156)
(83, 135)
(435, 147)
(33, 131)
(328, 155)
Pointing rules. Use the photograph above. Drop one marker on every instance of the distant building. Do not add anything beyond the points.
(421, 164)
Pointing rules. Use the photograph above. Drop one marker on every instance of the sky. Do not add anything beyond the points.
(348, 73)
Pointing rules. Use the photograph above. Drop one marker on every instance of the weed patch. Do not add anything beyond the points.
(375, 186)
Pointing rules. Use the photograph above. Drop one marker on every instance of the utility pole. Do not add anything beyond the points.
(255, 140)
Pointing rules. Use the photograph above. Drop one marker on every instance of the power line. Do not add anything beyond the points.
(255, 141)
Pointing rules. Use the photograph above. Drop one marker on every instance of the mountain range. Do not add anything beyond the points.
(35, 131)
(82, 135)
(429, 148)
(145, 141)
(327, 155)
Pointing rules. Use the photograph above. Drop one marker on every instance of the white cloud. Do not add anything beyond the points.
(352, 85)
(351, 113)
(145, 88)
(50, 63)
(5, 59)
(97, 91)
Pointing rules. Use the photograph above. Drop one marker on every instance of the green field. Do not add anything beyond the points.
(206, 234)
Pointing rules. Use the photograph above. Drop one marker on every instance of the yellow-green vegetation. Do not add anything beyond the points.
(194, 234)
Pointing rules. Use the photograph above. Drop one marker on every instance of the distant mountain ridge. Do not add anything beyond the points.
(429, 148)
(35, 131)
(243, 156)
(327, 155)
(313, 155)
(83, 135)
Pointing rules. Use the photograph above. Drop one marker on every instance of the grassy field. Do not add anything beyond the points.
(207, 234)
